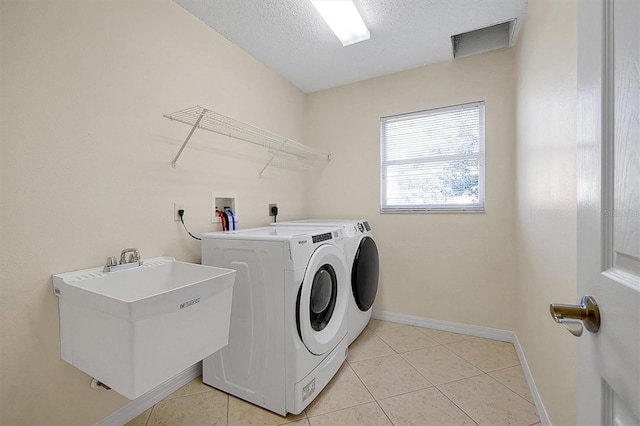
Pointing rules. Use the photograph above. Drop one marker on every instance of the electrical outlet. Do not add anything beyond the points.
(270, 207)
(177, 206)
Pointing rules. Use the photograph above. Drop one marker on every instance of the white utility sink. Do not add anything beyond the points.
(133, 329)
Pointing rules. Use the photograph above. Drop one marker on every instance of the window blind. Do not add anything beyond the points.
(433, 160)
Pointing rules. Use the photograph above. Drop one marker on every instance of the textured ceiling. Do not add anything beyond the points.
(290, 37)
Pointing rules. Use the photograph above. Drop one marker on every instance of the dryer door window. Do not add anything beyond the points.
(323, 297)
(364, 275)
(322, 300)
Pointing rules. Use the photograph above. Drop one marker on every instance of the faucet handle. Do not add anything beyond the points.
(111, 262)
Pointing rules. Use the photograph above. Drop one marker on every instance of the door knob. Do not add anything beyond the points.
(572, 317)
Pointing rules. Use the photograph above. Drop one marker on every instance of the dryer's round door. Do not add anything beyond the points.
(323, 300)
(364, 275)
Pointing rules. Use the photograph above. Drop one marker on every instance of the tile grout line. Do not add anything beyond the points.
(365, 386)
(150, 414)
(385, 413)
(418, 390)
(374, 357)
(515, 393)
(376, 399)
(401, 357)
(190, 394)
(421, 329)
(406, 393)
(482, 372)
(477, 422)
(497, 381)
(306, 415)
(360, 379)
(509, 387)
(452, 381)
(348, 408)
(485, 373)
(478, 367)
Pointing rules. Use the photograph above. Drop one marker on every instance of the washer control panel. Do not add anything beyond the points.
(321, 237)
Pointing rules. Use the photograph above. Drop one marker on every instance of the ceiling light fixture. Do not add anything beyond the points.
(343, 19)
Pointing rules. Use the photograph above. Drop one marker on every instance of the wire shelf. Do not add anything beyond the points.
(285, 153)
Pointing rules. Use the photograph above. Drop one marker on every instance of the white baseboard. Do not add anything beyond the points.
(476, 331)
(542, 412)
(454, 327)
(151, 398)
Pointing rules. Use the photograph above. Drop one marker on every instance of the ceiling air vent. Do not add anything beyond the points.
(482, 40)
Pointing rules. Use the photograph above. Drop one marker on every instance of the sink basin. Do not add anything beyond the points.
(135, 328)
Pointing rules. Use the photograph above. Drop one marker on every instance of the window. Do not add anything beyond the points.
(433, 160)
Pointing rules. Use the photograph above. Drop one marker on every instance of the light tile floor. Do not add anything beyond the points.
(395, 374)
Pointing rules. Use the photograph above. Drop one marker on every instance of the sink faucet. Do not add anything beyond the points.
(134, 257)
(134, 260)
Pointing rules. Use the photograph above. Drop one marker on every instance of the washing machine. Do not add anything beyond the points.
(288, 329)
(362, 264)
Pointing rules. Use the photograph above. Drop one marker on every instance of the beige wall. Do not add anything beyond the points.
(456, 267)
(546, 198)
(85, 172)
(85, 166)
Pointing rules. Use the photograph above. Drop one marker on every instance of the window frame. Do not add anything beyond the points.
(435, 208)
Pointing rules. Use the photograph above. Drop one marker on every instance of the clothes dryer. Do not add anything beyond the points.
(288, 330)
(363, 266)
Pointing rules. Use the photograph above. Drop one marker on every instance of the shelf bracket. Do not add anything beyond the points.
(273, 157)
(193, 129)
